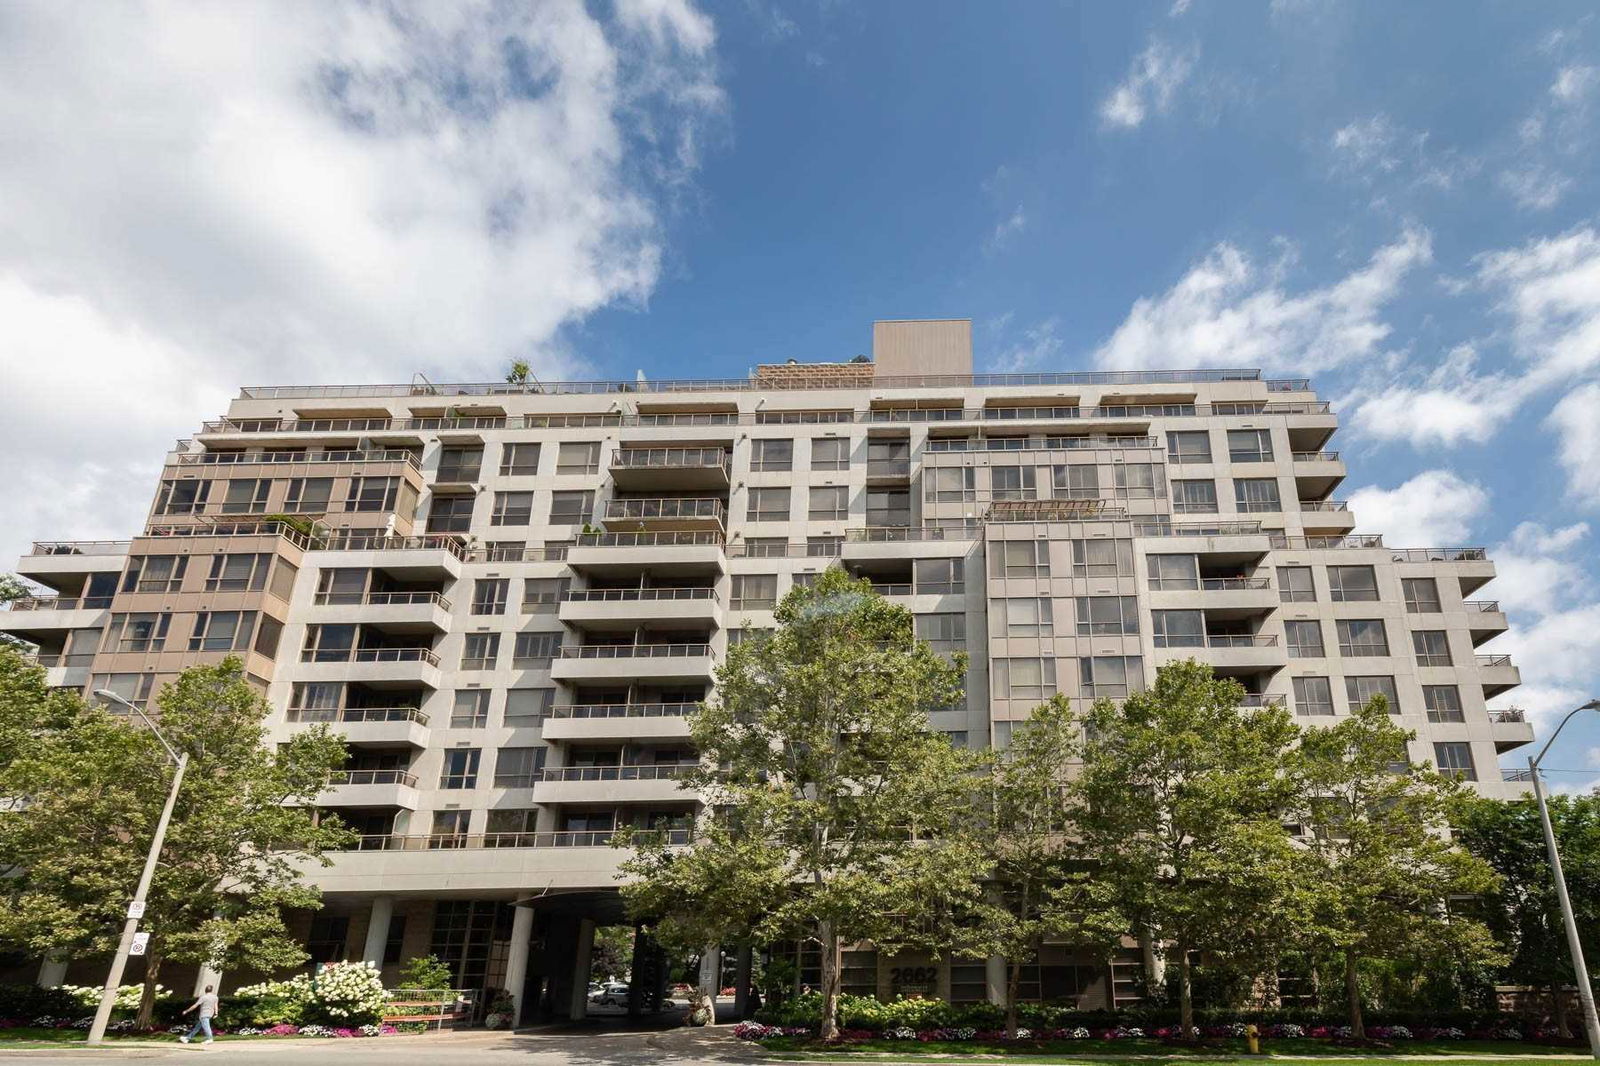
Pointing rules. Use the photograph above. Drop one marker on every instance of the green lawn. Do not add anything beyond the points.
(1460, 1052)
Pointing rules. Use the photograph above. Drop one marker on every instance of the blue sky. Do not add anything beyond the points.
(1397, 200)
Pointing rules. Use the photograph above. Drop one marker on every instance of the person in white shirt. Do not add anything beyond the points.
(206, 1004)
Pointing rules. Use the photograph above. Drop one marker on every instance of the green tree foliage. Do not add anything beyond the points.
(425, 972)
(520, 373)
(831, 806)
(1040, 885)
(94, 785)
(1523, 912)
(612, 957)
(1378, 867)
(1182, 803)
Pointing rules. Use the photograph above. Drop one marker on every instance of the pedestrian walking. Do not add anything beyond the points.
(206, 1004)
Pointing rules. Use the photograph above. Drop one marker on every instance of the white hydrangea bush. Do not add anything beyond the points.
(349, 991)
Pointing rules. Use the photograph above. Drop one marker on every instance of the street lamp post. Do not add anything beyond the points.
(108, 997)
(1591, 1023)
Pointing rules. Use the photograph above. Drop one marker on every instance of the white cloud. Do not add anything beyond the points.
(1533, 571)
(1452, 404)
(1535, 186)
(1434, 509)
(1007, 228)
(1574, 83)
(1592, 757)
(1550, 289)
(1556, 653)
(1576, 420)
(1179, 8)
(201, 197)
(1367, 143)
(1039, 346)
(1227, 311)
(1374, 149)
(1151, 84)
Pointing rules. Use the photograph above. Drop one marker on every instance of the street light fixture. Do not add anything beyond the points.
(108, 997)
(1591, 1023)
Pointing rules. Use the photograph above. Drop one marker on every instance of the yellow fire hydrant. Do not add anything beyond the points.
(1252, 1038)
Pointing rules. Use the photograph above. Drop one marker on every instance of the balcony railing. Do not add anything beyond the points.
(356, 540)
(1037, 444)
(242, 528)
(1510, 714)
(895, 588)
(651, 509)
(635, 595)
(1324, 505)
(624, 710)
(899, 534)
(1260, 699)
(57, 603)
(888, 467)
(1029, 413)
(356, 714)
(370, 655)
(632, 651)
(379, 599)
(1229, 584)
(660, 539)
(1490, 661)
(1483, 606)
(1438, 555)
(374, 777)
(1196, 529)
(80, 547)
(1215, 641)
(1316, 457)
(1359, 540)
(593, 838)
(650, 772)
(273, 459)
(79, 659)
(670, 458)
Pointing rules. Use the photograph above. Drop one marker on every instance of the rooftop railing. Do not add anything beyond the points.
(80, 547)
(1491, 661)
(270, 459)
(1438, 555)
(1482, 606)
(1325, 505)
(1316, 457)
(356, 714)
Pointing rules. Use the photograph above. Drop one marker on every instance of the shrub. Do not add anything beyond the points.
(30, 1001)
(425, 971)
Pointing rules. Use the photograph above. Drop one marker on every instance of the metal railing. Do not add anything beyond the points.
(1219, 584)
(519, 554)
(1316, 457)
(958, 445)
(359, 540)
(1483, 606)
(1360, 540)
(593, 838)
(889, 468)
(256, 528)
(648, 539)
(670, 458)
(899, 534)
(783, 550)
(57, 603)
(1492, 660)
(666, 508)
(379, 599)
(80, 547)
(624, 710)
(1510, 714)
(1216, 641)
(374, 777)
(648, 772)
(1027, 413)
(356, 714)
(1260, 699)
(370, 655)
(1438, 555)
(1288, 384)
(1324, 505)
(632, 651)
(1196, 529)
(635, 595)
(225, 459)
(69, 661)
(896, 588)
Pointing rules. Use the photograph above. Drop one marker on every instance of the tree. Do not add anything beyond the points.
(12, 588)
(520, 373)
(1523, 912)
(94, 787)
(1041, 886)
(1378, 868)
(613, 952)
(1182, 804)
(831, 806)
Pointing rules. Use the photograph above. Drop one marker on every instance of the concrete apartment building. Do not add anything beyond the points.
(514, 594)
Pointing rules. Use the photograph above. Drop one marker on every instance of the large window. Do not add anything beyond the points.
(1174, 572)
(528, 706)
(945, 632)
(1178, 629)
(1077, 481)
(541, 594)
(1189, 446)
(1432, 647)
(460, 463)
(1025, 679)
(939, 576)
(372, 494)
(1251, 494)
(451, 514)
(1304, 639)
(1194, 497)
(571, 508)
(184, 497)
(1421, 594)
(1454, 759)
(1295, 585)
(222, 630)
(1352, 584)
(1102, 558)
(533, 651)
(1011, 482)
(1018, 559)
(238, 573)
(519, 460)
(578, 457)
(518, 767)
(460, 768)
(512, 509)
(489, 595)
(308, 494)
(948, 484)
(479, 651)
(829, 503)
(1359, 690)
(888, 507)
(1313, 697)
(246, 496)
(142, 632)
(1138, 481)
(155, 573)
(1097, 615)
(1249, 446)
(754, 592)
(1443, 703)
(768, 505)
(1362, 637)
(470, 710)
(1025, 616)
(1112, 676)
(830, 453)
(771, 455)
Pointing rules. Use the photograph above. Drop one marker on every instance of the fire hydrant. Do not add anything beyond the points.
(1252, 1038)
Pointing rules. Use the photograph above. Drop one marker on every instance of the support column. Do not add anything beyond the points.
(517, 959)
(52, 972)
(378, 930)
(207, 976)
(741, 984)
(994, 972)
(578, 1003)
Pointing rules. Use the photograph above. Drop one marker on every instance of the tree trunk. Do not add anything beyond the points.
(1185, 993)
(1352, 994)
(147, 996)
(1013, 980)
(829, 1030)
(1558, 1007)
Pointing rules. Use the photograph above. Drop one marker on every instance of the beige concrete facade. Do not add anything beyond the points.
(509, 597)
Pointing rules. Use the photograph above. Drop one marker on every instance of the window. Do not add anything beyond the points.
(246, 496)
(329, 644)
(238, 573)
(1249, 446)
(184, 497)
(505, 551)
(1359, 690)
(318, 701)
(948, 484)
(889, 451)
(1443, 703)
(135, 688)
(155, 573)
(766, 547)
(1024, 616)
(830, 503)
(1112, 676)
(137, 632)
(268, 633)
(945, 632)
(1256, 494)
(571, 508)
(533, 651)
(451, 514)
(1178, 629)
(512, 509)
(1102, 558)
(938, 576)
(1019, 559)
(830, 453)
(470, 709)
(1011, 482)
(1352, 584)
(768, 505)
(342, 585)
(372, 494)
(460, 770)
(769, 455)
(1107, 614)
(519, 460)
(1362, 637)
(1025, 679)
(1138, 481)
(805, 579)
(518, 767)
(824, 547)
(1189, 446)
(1170, 572)
(308, 494)
(526, 706)
(479, 651)
(1304, 640)
(1079, 481)
(1313, 697)
(578, 457)
(1194, 497)
(222, 630)
(540, 594)
(1454, 759)
(755, 592)
(888, 507)
(1295, 585)
(460, 463)
(489, 595)
(1421, 594)
(1432, 647)
(284, 574)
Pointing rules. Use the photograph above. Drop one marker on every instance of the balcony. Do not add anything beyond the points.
(50, 617)
(69, 563)
(1227, 652)
(619, 721)
(373, 667)
(665, 514)
(881, 470)
(598, 838)
(382, 727)
(628, 662)
(634, 469)
(670, 552)
(396, 611)
(371, 788)
(1485, 619)
(1497, 674)
(625, 608)
(430, 557)
(1227, 596)
(1317, 473)
(1326, 517)
(612, 784)
(1510, 729)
